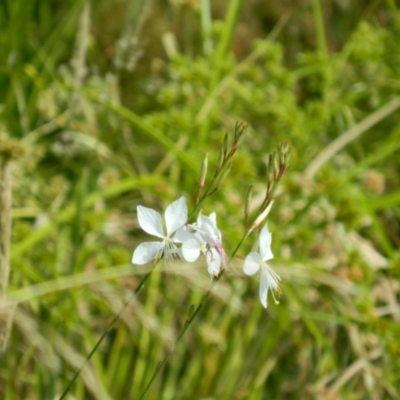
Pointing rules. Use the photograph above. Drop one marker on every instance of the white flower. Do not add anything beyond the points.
(206, 239)
(255, 261)
(150, 221)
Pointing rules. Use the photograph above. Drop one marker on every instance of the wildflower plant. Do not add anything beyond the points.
(203, 235)
(183, 239)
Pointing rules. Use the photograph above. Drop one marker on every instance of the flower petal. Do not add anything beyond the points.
(207, 228)
(269, 280)
(264, 287)
(150, 221)
(191, 250)
(265, 240)
(252, 263)
(146, 252)
(213, 218)
(182, 235)
(200, 219)
(213, 261)
(176, 215)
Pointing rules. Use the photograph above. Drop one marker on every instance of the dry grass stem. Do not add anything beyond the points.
(5, 238)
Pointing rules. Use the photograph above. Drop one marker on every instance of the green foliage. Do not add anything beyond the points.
(105, 119)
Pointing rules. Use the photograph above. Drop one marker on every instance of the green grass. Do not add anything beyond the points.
(105, 118)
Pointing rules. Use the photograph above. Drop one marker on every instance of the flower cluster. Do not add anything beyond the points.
(201, 237)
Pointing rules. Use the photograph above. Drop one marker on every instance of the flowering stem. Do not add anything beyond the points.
(222, 169)
(239, 244)
(276, 167)
(105, 333)
(212, 187)
(190, 319)
(188, 322)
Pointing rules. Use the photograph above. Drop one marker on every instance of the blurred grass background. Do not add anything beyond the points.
(113, 104)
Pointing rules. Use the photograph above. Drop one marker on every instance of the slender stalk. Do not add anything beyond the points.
(5, 240)
(322, 43)
(319, 28)
(222, 50)
(81, 46)
(190, 319)
(10, 149)
(104, 334)
(161, 363)
(278, 165)
(353, 133)
(206, 22)
(238, 133)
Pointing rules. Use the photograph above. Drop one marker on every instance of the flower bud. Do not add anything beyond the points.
(224, 174)
(203, 172)
(262, 216)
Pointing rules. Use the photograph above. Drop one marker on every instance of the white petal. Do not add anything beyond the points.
(213, 262)
(191, 250)
(220, 250)
(265, 240)
(204, 235)
(207, 229)
(176, 215)
(146, 252)
(150, 221)
(182, 235)
(210, 222)
(202, 220)
(252, 263)
(269, 280)
(213, 218)
(200, 215)
(264, 287)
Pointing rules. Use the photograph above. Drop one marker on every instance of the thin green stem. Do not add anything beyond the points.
(210, 188)
(189, 321)
(105, 333)
(239, 244)
(319, 27)
(222, 51)
(206, 22)
(230, 24)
